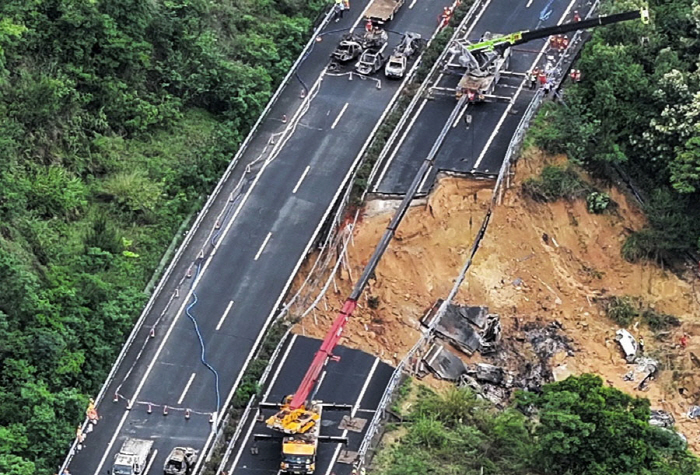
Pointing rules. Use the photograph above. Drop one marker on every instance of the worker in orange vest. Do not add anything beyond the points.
(563, 42)
(577, 17)
(368, 25)
(542, 78)
(445, 16)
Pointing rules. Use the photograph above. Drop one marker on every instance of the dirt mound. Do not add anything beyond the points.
(538, 262)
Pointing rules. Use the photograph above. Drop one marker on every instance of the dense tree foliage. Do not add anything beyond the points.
(638, 107)
(115, 116)
(575, 427)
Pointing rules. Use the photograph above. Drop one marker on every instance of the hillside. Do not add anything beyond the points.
(116, 119)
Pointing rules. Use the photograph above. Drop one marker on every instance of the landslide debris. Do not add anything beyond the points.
(541, 266)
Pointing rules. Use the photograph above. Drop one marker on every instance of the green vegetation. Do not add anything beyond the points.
(575, 427)
(115, 118)
(555, 183)
(636, 109)
(624, 310)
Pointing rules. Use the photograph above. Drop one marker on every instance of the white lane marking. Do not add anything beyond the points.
(263, 246)
(301, 110)
(410, 7)
(425, 101)
(245, 441)
(279, 367)
(459, 116)
(515, 98)
(150, 462)
(352, 413)
(528, 4)
(303, 175)
(342, 111)
(401, 141)
(187, 388)
(264, 399)
(223, 317)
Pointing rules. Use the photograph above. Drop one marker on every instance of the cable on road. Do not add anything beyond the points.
(203, 356)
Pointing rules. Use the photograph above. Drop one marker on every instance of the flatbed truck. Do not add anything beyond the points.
(382, 11)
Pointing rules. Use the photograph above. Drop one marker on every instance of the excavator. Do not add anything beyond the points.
(298, 417)
(481, 64)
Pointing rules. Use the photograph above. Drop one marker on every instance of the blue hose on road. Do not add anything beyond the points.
(203, 356)
(546, 11)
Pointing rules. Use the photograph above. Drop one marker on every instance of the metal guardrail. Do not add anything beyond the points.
(251, 403)
(420, 92)
(510, 157)
(195, 226)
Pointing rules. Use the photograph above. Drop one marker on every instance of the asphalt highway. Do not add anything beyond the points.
(358, 379)
(303, 156)
(479, 147)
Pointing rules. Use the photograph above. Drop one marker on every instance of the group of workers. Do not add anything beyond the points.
(340, 7)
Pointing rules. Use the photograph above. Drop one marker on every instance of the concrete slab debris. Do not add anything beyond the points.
(347, 457)
(458, 331)
(353, 424)
(443, 363)
(487, 372)
(460, 325)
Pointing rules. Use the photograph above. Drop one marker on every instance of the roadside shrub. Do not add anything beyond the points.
(621, 310)
(555, 183)
(598, 202)
(659, 321)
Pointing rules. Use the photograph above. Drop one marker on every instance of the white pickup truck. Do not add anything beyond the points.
(132, 457)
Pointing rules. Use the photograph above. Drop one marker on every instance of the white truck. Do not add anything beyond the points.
(132, 457)
(382, 11)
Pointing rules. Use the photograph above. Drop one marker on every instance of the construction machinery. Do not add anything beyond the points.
(481, 64)
(382, 11)
(410, 44)
(180, 461)
(132, 457)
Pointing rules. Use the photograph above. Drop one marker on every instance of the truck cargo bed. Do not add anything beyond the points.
(383, 10)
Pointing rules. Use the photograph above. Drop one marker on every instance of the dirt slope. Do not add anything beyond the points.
(523, 277)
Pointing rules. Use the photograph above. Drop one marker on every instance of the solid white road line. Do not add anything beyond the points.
(264, 399)
(279, 368)
(342, 111)
(263, 246)
(352, 413)
(515, 98)
(245, 441)
(425, 101)
(410, 7)
(150, 462)
(528, 4)
(297, 113)
(401, 140)
(223, 317)
(303, 175)
(187, 387)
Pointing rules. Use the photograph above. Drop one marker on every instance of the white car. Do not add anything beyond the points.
(627, 343)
